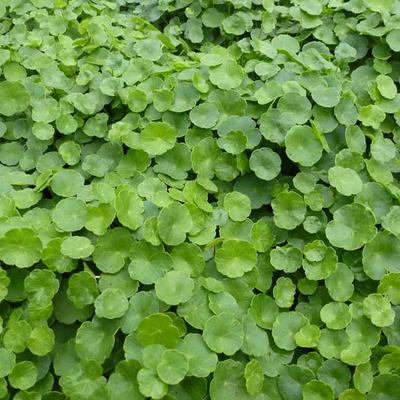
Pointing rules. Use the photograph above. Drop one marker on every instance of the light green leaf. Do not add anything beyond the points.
(289, 210)
(157, 138)
(265, 163)
(111, 303)
(20, 247)
(228, 75)
(173, 367)
(302, 146)
(77, 247)
(235, 257)
(175, 287)
(223, 333)
(14, 98)
(345, 180)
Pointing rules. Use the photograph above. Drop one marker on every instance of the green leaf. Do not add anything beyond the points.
(23, 376)
(340, 283)
(393, 39)
(286, 258)
(14, 98)
(234, 142)
(122, 383)
(95, 340)
(7, 362)
(228, 381)
(112, 249)
(204, 115)
(389, 286)
(265, 163)
(149, 49)
(284, 328)
(262, 237)
(174, 221)
(295, 108)
(20, 247)
(384, 387)
(84, 381)
(264, 310)
(292, 379)
(201, 360)
(173, 367)
(371, 115)
(149, 263)
(228, 75)
(223, 333)
(77, 247)
(158, 329)
(82, 289)
(41, 340)
(150, 385)
(317, 390)
(381, 255)
(352, 226)
(345, 180)
(129, 208)
(46, 110)
(355, 139)
(302, 146)
(237, 205)
(204, 155)
(174, 288)
(284, 292)
(289, 210)
(386, 86)
(70, 214)
(111, 303)
(325, 96)
(185, 97)
(236, 24)
(254, 376)
(157, 138)
(308, 336)
(362, 330)
(356, 354)
(335, 315)
(378, 309)
(235, 257)
(188, 257)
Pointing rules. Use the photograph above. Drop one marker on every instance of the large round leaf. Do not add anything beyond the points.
(14, 98)
(302, 146)
(289, 210)
(352, 226)
(223, 333)
(235, 257)
(381, 255)
(20, 247)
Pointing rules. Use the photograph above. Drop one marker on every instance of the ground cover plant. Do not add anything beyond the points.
(199, 199)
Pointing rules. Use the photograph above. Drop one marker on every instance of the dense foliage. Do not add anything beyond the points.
(199, 199)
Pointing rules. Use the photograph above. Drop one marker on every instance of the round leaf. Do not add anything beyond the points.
(20, 247)
(111, 303)
(345, 180)
(223, 333)
(235, 257)
(173, 367)
(352, 226)
(302, 146)
(265, 163)
(289, 210)
(175, 287)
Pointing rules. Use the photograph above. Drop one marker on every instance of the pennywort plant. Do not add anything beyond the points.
(199, 200)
